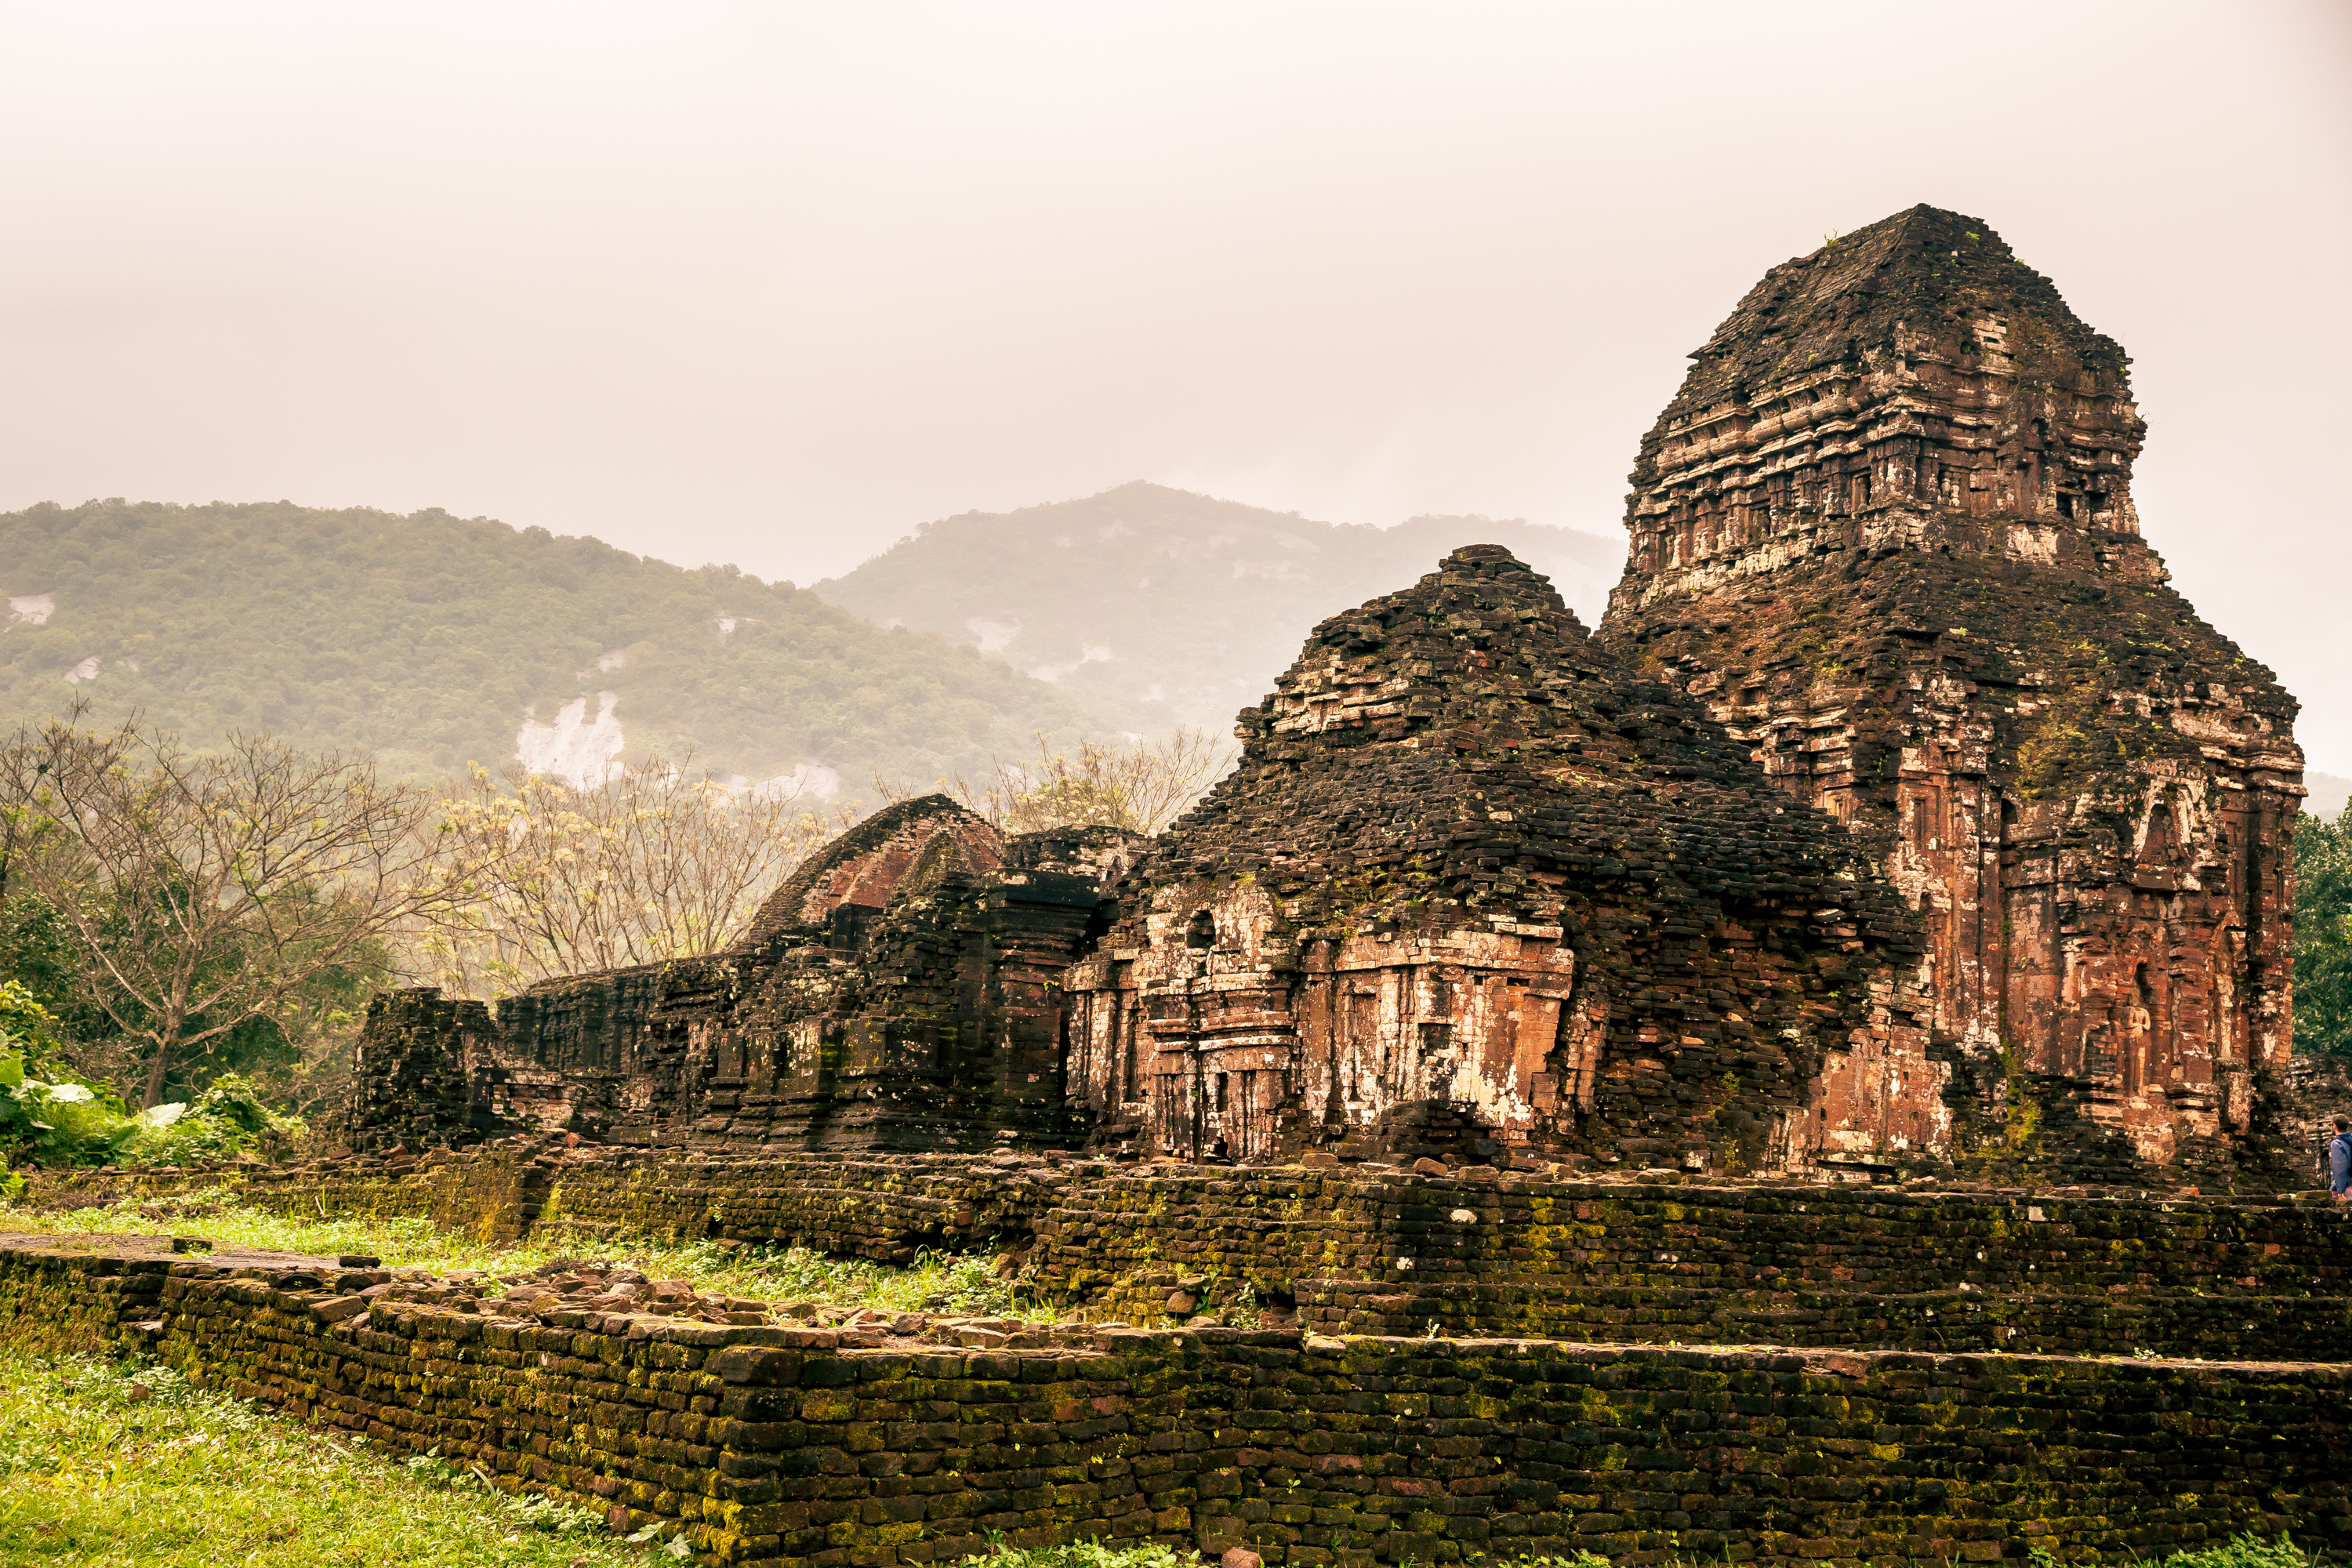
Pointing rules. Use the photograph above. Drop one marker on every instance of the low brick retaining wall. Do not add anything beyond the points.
(2286, 1327)
(833, 1449)
(1352, 1250)
(81, 1299)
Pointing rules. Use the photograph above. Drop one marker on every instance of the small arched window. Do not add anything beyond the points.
(1203, 932)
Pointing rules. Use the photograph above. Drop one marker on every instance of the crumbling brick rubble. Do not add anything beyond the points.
(808, 1448)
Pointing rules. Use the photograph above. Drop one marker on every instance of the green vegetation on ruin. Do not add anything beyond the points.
(940, 1282)
(421, 640)
(1088, 1554)
(2240, 1552)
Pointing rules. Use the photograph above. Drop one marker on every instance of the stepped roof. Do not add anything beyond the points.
(864, 867)
(1922, 272)
(1464, 746)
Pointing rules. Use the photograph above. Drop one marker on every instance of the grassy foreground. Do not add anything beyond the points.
(106, 1463)
(963, 1284)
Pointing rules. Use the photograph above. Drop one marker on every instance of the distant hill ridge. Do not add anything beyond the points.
(433, 640)
(1161, 607)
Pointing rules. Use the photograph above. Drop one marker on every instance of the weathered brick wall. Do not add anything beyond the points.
(77, 1300)
(815, 1447)
(1541, 1232)
(2313, 1091)
(1395, 1251)
(424, 1072)
(1779, 1264)
(901, 993)
(481, 1191)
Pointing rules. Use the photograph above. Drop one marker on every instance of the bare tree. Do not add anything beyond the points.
(1141, 787)
(200, 892)
(559, 879)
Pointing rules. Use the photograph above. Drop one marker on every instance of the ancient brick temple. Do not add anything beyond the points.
(1885, 533)
(1474, 882)
(1897, 818)
(902, 990)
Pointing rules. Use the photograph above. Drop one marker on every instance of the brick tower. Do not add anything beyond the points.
(1885, 533)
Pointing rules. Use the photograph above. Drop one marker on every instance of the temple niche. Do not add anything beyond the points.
(1885, 533)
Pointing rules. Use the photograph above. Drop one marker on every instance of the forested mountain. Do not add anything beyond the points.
(1161, 607)
(432, 640)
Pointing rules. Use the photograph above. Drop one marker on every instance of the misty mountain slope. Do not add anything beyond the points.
(1162, 607)
(433, 641)
(2329, 793)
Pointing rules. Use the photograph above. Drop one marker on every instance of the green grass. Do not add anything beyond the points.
(117, 1463)
(957, 1283)
(1088, 1554)
(2243, 1552)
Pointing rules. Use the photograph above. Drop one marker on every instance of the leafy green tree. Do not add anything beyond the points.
(301, 1055)
(47, 1112)
(228, 1119)
(2323, 935)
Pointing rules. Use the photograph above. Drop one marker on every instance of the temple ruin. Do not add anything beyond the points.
(900, 991)
(1476, 888)
(1897, 818)
(1794, 1074)
(1885, 533)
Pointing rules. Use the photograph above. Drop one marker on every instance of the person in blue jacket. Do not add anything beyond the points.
(2339, 1160)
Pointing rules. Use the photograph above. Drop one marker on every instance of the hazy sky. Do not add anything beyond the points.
(771, 284)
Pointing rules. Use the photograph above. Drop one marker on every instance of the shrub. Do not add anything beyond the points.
(51, 1115)
(226, 1120)
(48, 1113)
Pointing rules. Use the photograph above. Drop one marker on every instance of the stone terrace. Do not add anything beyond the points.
(1358, 1249)
(792, 1446)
